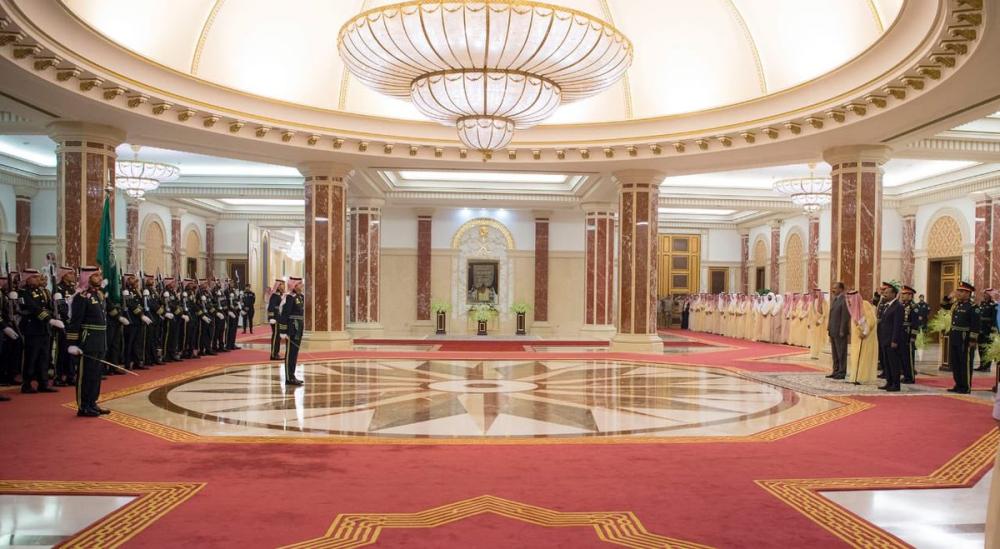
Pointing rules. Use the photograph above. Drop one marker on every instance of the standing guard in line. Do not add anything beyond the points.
(153, 310)
(987, 327)
(185, 309)
(206, 313)
(36, 321)
(249, 306)
(65, 288)
(115, 337)
(234, 303)
(273, 317)
(87, 334)
(923, 310)
(171, 317)
(911, 326)
(292, 312)
(10, 341)
(221, 314)
(962, 338)
(133, 350)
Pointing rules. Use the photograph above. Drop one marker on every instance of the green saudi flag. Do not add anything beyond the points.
(106, 255)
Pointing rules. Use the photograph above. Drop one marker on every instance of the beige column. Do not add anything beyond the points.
(638, 198)
(325, 244)
(856, 215)
(85, 170)
(599, 260)
(22, 217)
(365, 249)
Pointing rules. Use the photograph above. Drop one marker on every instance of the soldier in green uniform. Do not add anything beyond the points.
(911, 325)
(133, 326)
(10, 338)
(206, 315)
(87, 334)
(273, 314)
(36, 323)
(923, 310)
(65, 288)
(987, 327)
(292, 312)
(962, 338)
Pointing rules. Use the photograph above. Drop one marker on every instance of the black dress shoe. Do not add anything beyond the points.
(839, 376)
(28, 389)
(909, 381)
(87, 412)
(47, 390)
(893, 389)
(981, 369)
(102, 411)
(294, 381)
(5, 398)
(953, 390)
(831, 376)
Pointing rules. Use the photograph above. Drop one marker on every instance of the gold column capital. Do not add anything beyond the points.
(322, 171)
(639, 176)
(61, 131)
(857, 153)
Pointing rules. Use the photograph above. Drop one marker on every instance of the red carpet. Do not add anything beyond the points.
(945, 381)
(268, 495)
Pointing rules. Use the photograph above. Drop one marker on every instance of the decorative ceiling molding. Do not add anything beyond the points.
(182, 189)
(723, 202)
(475, 198)
(948, 146)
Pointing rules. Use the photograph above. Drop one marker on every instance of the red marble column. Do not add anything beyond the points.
(909, 244)
(638, 200)
(209, 250)
(599, 260)
(424, 223)
(85, 170)
(175, 241)
(856, 215)
(325, 245)
(984, 228)
(995, 244)
(131, 235)
(365, 246)
(22, 218)
(775, 249)
(541, 306)
(812, 261)
(745, 263)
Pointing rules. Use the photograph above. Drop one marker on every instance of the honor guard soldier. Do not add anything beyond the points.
(911, 326)
(10, 338)
(962, 338)
(171, 316)
(185, 301)
(132, 325)
(206, 312)
(292, 312)
(249, 305)
(65, 288)
(155, 312)
(221, 315)
(987, 309)
(273, 317)
(923, 310)
(36, 323)
(234, 305)
(117, 320)
(87, 335)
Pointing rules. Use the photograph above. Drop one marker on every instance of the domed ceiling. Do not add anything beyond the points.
(689, 55)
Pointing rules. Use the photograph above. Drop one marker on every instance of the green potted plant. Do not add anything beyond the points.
(482, 313)
(440, 310)
(521, 309)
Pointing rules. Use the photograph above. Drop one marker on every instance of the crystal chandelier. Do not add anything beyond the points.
(811, 193)
(296, 252)
(137, 177)
(485, 67)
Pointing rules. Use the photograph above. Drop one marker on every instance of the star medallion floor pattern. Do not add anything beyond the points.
(473, 398)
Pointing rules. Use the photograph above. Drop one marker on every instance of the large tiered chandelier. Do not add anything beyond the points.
(485, 67)
(811, 193)
(137, 177)
(296, 252)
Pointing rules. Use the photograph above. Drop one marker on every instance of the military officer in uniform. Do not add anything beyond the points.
(221, 314)
(962, 338)
(36, 322)
(206, 313)
(987, 327)
(10, 338)
(249, 304)
(171, 314)
(273, 317)
(65, 288)
(911, 325)
(117, 320)
(292, 312)
(87, 334)
(923, 310)
(187, 320)
(234, 305)
(133, 350)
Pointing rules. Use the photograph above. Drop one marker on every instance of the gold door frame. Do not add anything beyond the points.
(679, 264)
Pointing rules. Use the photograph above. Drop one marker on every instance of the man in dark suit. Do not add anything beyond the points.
(891, 341)
(838, 328)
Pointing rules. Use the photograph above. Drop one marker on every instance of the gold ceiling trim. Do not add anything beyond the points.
(203, 37)
(751, 43)
(877, 16)
(388, 137)
(626, 88)
(483, 222)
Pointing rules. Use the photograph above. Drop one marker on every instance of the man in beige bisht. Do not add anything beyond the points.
(817, 324)
(993, 507)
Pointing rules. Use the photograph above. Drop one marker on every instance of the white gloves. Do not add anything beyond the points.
(166, 295)
(12, 295)
(186, 318)
(57, 296)
(170, 316)
(184, 294)
(126, 293)
(206, 320)
(146, 320)
(104, 283)
(9, 332)
(284, 337)
(124, 321)
(58, 324)
(145, 293)
(74, 350)
(231, 315)
(221, 316)
(272, 321)
(204, 298)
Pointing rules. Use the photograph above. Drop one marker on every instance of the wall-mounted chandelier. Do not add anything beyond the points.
(137, 177)
(485, 67)
(296, 252)
(811, 193)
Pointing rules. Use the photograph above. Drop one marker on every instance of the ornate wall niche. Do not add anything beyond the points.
(481, 239)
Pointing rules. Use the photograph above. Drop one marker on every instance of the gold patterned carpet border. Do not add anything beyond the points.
(155, 499)
(621, 528)
(804, 494)
(850, 406)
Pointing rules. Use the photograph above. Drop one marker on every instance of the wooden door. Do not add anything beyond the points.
(718, 280)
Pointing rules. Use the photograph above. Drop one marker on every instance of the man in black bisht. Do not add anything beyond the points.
(292, 316)
(87, 334)
(890, 337)
(962, 338)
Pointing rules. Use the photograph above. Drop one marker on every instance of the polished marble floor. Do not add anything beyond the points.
(473, 398)
(34, 521)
